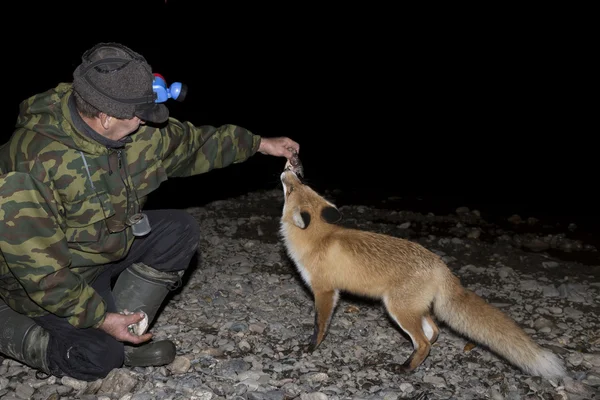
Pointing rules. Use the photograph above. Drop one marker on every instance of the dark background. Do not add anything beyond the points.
(489, 108)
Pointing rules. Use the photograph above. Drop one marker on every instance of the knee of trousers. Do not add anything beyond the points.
(187, 226)
(92, 359)
(115, 358)
(175, 241)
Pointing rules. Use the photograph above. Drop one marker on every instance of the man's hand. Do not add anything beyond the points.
(279, 147)
(116, 326)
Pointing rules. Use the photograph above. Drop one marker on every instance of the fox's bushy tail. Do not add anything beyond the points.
(473, 317)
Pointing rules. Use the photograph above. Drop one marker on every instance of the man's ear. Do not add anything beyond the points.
(301, 218)
(105, 120)
(331, 215)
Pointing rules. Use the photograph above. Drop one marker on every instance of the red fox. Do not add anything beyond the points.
(411, 281)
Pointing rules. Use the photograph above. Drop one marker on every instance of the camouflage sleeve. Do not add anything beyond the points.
(191, 150)
(36, 252)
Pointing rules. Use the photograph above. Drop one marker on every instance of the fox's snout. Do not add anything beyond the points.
(289, 177)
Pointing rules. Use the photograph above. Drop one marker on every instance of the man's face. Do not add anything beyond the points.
(123, 127)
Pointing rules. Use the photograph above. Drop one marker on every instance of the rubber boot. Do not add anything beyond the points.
(141, 287)
(22, 339)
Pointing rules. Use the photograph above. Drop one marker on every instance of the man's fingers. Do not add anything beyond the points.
(292, 146)
(290, 152)
(135, 318)
(140, 339)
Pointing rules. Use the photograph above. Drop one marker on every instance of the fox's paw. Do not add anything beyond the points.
(400, 368)
(311, 347)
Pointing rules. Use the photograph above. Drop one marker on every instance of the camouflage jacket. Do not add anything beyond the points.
(64, 199)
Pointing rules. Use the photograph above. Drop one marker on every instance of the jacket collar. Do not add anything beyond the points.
(81, 126)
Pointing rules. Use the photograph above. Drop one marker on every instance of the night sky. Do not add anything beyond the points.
(482, 108)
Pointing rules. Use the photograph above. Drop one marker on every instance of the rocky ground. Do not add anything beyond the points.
(243, 317)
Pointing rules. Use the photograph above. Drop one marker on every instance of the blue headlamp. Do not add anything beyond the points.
(176, 91)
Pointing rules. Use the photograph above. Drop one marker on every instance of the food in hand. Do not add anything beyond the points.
(140, 328)
(294, 164)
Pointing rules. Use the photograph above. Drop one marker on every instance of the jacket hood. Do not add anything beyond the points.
(48, 114)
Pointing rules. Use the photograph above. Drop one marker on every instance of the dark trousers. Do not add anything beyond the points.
(89, 354)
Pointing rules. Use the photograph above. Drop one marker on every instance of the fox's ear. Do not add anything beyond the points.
(301, 218)
(331, 215)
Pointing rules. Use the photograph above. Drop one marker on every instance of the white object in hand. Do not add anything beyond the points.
(139, 328)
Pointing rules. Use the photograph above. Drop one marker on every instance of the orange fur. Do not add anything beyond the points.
(411, 281)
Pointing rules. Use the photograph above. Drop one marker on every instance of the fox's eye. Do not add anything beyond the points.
(290, 189)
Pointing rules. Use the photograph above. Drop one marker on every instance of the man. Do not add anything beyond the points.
(77, 251)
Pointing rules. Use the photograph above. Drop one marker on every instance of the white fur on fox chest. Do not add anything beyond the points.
(294, 256)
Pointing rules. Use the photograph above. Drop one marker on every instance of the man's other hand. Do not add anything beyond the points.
(116, 325)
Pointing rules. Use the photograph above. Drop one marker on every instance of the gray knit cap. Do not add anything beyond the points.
(118, 81)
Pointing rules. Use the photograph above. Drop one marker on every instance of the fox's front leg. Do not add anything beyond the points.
(325, 303)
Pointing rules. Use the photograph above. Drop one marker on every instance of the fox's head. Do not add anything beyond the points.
(303, 207)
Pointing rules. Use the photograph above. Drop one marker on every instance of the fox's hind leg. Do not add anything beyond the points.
(325, 303)
(430, 328)
(411, 319)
